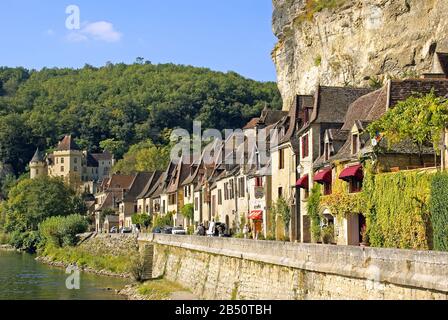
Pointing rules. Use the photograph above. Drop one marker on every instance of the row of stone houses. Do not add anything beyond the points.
(320, 140)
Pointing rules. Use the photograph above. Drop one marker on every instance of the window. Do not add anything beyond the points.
(164, 206)
(306, 115)
(172, 199)
(62, 168)
(135, 208)
(241, 188)
(75, 160)
(355, 144)
(281, 159)
(37, 171)
(62, 160)
(280, 192)
(140, 209)
(226, 191)
(75, 169)
(57, 160)
(305, 146)
(219, 197)
(258, 181)
(196, 204)
(232, 189)
(147, 209)
(355, 186)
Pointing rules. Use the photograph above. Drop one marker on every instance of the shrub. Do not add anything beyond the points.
(143, 220)
(163, 221)
(4, 238)
(137, 269)
(27, 241)
(63, 231)
(439, 211)
(328, 234)
(188, 212)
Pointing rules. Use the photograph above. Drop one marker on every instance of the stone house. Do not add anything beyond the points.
(345, 161)
(128, 205)
(110, 193)
(323, 111)
(144, 204)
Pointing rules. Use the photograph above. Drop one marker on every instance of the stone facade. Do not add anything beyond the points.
(227, 269)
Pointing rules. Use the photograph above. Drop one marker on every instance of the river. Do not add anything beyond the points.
(23, 278)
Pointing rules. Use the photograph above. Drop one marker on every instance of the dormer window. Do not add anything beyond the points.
(307, 115)
(355, 143)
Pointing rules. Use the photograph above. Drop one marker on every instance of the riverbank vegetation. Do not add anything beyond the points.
(160, 289)
(31, 202)
(115, 264)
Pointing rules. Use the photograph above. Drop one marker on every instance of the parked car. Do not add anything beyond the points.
(179, 231)
(167, 230)
(114, 230)
(126, 230)
(156, 230)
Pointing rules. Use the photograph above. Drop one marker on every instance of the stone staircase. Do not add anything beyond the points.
(147, 253)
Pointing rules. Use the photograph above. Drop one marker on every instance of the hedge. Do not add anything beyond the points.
(439, 211)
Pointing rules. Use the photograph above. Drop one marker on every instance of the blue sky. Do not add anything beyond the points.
(222, 35)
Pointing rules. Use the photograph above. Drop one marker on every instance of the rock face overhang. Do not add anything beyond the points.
(356, 43)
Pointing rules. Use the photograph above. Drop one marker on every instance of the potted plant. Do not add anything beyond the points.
(364, 236)
(328, 234)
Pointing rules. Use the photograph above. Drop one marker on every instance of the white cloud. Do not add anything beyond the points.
(50, 32)
(98, 31)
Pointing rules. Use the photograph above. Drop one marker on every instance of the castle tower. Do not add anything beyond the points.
(67, 161)
(38, 166)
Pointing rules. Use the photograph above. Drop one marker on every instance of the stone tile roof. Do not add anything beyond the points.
(105, 156)
(38, 156)
(139, 183)
(150, 185)
(331, 103)
(402, 89)
(363, 108)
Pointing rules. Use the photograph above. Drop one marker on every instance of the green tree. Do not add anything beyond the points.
(115, 147)
(188, 212)
(420, 119)
(32, 201)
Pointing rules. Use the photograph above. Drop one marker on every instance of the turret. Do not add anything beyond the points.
(38, 165)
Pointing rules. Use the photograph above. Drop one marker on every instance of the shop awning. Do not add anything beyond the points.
(303, 182)
(323, 176)
(353, 172)
(256, 215)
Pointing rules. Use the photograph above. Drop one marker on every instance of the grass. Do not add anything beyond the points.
(160, 289)
(115, 264)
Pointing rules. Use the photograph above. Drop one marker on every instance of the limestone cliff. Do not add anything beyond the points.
(356, 42)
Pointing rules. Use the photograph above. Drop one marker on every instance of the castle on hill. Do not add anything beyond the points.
(82, 169)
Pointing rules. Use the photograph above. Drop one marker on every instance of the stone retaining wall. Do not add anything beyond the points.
(110, 244)
(215, 268)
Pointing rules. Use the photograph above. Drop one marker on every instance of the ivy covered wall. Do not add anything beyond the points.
(398, 209)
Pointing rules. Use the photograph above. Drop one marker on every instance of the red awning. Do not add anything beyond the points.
(353, 172)
(323, 176)
(256, 215)
(303, 182)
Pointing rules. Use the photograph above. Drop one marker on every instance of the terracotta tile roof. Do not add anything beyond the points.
(118, 181)
(67, 143)
(251, 124)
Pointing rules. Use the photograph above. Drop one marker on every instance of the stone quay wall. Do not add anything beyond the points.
(224, 269)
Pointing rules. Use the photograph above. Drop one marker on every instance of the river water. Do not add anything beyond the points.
(23, 278)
